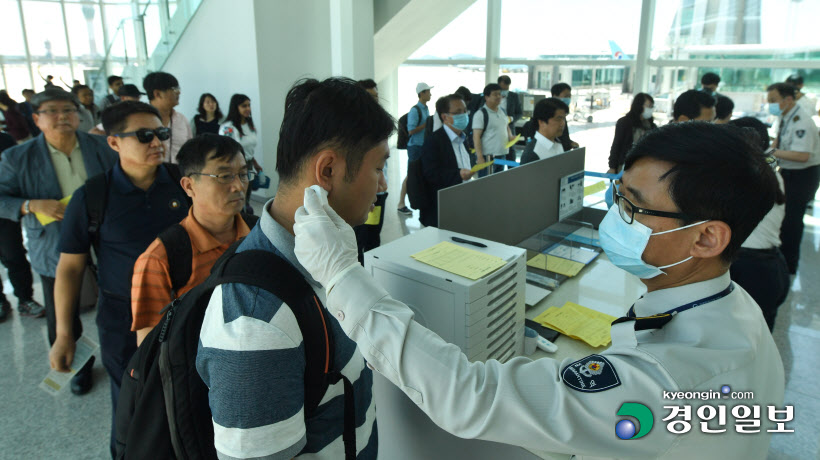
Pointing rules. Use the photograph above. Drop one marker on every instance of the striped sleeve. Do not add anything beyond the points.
(251, 357)
(150, 286)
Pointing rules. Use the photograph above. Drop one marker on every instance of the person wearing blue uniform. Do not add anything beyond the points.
(142, 200)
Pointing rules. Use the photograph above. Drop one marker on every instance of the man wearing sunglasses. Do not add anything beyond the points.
(690, 195)
(35, 176)
(216, 177)
(142, 199)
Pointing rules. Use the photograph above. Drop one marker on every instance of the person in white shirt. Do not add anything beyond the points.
(491, 131)
(550, 115)
(691, 193)
(798, 149)
(239, 126)
(163, 92)
(809, 104)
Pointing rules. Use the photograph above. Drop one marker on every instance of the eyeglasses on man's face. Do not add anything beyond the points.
(627, 209)
(146, 136)
(57, 112)
(228, 178)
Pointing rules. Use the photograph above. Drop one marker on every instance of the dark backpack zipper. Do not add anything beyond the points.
(168, 318)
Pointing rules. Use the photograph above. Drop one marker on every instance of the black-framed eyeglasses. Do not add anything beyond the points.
(627, 209)
(228, 178)
(54, 112)
(146, 136)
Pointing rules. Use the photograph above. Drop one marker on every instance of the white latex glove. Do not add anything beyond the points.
(325, 243)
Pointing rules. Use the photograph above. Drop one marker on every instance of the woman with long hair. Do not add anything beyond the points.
(239, 126)
(208, 115)
(630, 128)
(15, 122)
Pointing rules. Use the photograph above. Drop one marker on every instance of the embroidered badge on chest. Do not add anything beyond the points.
(796, 118)
(590, 375)
(800, 133)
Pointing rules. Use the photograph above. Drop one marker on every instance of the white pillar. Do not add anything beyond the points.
(308, 38)
(641, 83)
(493, 41)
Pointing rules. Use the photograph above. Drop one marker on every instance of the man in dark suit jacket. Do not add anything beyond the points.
(444, 159)
(564, 92)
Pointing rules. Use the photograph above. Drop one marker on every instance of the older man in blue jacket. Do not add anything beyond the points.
(36, 175)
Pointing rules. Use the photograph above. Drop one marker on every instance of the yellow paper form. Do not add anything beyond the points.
(44, 219)
(481, 166)
(594, 188)
(464, 262)
(578, 322)
(512, 142)
(373, 217)
(556, 264)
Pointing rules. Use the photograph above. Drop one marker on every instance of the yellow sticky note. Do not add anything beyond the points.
(594, 188)
(453, 258)
(481, 166)
(44, 219)
(556, 264)
(513, 142)
(578, 322)
(373, 217)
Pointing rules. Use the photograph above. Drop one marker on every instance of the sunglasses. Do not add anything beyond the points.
(146, 136)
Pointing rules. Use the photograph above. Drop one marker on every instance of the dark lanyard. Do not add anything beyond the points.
(784, 123)
(697, 303)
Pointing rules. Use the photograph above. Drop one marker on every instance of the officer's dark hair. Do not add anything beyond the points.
(195, 153)
(465, 94)
(784, 89)
(367, 83)
(724, 107)
(488, 90)
(158, 81)
(335, 113)
(690, 103)
(113, 78)
(546, 108)
(710, 78)
(115, 116)
(636, 109)
(717, 175)
(28, 91)
(757, 134)
(504, 79)
(443, 104)
(794, 79)
(559, 88)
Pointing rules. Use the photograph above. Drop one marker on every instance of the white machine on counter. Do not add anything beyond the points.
(484, 317)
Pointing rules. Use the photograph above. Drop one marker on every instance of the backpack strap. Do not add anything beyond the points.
(286, 282)
(96, 199)
(177, 244)
(486, 120)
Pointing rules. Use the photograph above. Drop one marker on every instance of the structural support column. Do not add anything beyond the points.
(339, 43)
(493, 41)
(644, 47)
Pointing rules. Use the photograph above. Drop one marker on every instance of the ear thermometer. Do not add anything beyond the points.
(545, 345)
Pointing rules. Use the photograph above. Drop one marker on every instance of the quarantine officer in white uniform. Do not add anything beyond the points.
(798, 151)
(691, 194)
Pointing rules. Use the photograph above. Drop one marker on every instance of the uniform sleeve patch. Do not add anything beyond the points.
(590, 375)
(800, 133)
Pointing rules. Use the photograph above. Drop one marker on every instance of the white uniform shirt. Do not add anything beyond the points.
(180, 133)
(808, 104)
(462, 157)
(546, 148)
(247, 138)
(767, 233)
(798, 133)
(527, 403)
(495, 138)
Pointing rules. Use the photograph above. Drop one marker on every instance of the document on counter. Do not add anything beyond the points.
(55, 381)
(534, 294)
(578, 322)
(512, 142)
(578, 254)
(481, 166)
(556, 264)
(44, 219)
(461, 261)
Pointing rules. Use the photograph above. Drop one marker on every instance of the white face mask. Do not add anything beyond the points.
(624, 244)
(647, 112)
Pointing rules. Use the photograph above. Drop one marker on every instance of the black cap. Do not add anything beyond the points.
(130, 91)
(53, 94)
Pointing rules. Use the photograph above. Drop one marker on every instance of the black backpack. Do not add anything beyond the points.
(177, 245)
(163, 409)
(404, 133)
(469, 142)
(96, 199)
